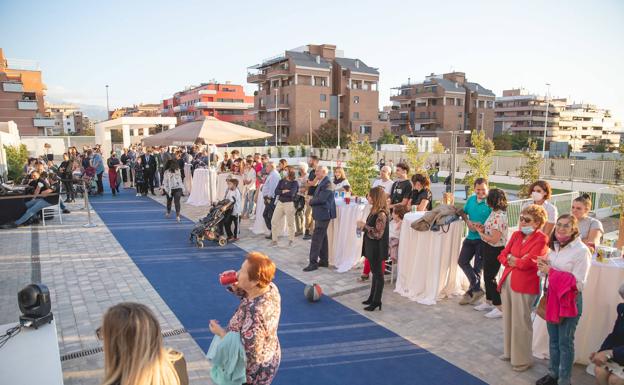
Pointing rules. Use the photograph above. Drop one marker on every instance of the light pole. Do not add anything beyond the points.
(454, 135)
(572, 177)
(546, 121)
(338, 146)
(107, 108)
(276, 109)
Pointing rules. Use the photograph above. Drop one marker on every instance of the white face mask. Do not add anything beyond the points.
(537, 196)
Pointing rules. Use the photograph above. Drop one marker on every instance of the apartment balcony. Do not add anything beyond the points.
(12, 87)
(30, 105)
(256, 78)
(207, 92)
(277, 73)
(180, 108)
(525, 118)
(43, 122)
(280, 106)
(280, 123)
(224, 105)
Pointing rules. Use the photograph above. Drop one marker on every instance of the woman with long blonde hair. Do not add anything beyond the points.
(133, 348)
(376, 240)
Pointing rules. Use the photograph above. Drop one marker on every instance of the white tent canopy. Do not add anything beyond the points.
(211, 130)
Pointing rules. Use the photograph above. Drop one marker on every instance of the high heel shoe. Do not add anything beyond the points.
(373, 306)
(367, 302)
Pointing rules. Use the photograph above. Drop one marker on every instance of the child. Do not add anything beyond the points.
(393, 247)
(233, 194)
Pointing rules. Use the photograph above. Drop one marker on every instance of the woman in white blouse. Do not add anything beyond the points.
(340, 179)
(540, 191)
(172, 186)
(591, 229)
(570, 255)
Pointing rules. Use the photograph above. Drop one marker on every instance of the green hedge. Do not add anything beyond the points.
(16, 159)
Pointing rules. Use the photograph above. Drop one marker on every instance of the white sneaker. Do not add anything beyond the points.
(495, 313)
(138, 195)
(484, 306)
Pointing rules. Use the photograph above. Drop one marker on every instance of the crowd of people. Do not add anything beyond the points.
(548, 257)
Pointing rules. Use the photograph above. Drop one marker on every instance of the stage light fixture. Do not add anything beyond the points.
(34, 303)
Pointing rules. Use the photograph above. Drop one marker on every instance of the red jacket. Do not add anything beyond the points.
(562, 293)
(524, 278)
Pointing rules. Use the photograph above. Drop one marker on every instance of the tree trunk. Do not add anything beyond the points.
(620, 242)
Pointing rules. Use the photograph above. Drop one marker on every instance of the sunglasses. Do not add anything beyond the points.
(526, 219)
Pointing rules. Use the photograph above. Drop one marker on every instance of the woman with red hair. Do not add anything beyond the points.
(256, 318)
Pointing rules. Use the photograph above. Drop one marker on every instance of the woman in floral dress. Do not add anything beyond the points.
(256, 318)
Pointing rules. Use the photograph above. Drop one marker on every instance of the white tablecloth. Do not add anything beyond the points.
(201, 193)
(427, 268)
(345, 248)
(188, 178)
(222, 183)
(600, 299)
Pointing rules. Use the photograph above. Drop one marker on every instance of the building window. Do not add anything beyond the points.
(356, 99)
(323, 97)
(323, 114)
(459, 114)
(356, 115)
(365, 130)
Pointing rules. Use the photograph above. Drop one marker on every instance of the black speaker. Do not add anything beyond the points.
(34, 303)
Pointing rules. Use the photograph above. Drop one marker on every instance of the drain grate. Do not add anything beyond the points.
(99, 349)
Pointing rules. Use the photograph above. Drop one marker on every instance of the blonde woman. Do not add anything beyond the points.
(133, 349)
(340, 179)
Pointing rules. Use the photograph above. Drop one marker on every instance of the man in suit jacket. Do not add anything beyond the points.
(149, 168)
(323, 211)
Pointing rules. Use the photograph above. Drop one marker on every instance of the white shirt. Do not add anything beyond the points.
(574, 258)
(340, 186)
(394, 229)
(551, 210)
(387, 185)
(268, 188)
(235, 196)
(250, 175)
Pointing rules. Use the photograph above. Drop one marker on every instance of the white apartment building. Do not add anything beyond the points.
(581, 125)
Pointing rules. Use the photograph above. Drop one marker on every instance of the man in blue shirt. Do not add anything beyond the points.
(475, 213)
(98, 164)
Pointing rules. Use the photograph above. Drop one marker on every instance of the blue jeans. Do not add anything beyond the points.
(33, 207)
(471, 248)
(249, 202)
(561, 345)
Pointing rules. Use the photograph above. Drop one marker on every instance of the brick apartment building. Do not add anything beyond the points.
(307, 86)
(581, 125)
(22, 96)
(445, 102)
(226, 102)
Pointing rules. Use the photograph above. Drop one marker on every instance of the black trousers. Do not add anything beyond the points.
(471, 248)
(267, 214)
(491, 266)
(319, 247)
(227, 223)
(377, 283)
(149, 180)
(69, 189)
(100, 185)
(176, 193)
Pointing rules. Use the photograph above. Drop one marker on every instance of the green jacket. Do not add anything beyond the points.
(228, 360)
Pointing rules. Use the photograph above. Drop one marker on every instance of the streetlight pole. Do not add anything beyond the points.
(310, 111)
(107, 108)
(338, 146)
(546, 121)
(276, 109)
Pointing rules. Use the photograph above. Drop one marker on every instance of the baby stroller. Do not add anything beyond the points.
(210, 227)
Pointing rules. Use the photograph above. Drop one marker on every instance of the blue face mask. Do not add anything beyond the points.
(526, 230)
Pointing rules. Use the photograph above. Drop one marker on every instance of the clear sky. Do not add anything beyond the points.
(147, 50)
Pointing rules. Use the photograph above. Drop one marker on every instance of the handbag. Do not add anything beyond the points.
(540, 309)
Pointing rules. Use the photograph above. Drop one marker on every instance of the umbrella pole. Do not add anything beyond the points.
(209, 176)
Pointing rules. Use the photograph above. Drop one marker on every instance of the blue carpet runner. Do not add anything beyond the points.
(322, 343)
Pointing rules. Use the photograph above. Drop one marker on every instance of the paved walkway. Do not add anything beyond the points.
(88, 271)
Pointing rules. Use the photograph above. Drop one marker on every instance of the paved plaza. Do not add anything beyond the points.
(87, 271)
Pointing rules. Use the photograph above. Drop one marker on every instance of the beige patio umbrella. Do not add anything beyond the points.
(211, 130)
